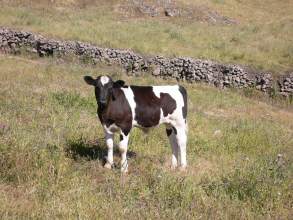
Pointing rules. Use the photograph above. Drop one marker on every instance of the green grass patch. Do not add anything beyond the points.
(71, 100)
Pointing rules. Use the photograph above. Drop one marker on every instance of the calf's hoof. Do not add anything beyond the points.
(173, 167)
(108, 166)
(124, 169)
(183, 168)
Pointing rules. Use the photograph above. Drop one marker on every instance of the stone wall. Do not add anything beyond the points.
(192, 70)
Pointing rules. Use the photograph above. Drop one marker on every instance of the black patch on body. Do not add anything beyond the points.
(147, 111)
(148, 105)
(168, 104)
(184, 95)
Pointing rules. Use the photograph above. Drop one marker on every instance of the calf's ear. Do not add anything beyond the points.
(89, 80)
(119, 83)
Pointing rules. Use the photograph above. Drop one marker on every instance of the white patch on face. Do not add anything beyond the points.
(104, 80)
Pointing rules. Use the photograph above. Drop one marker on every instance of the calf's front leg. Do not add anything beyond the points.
(110, 144)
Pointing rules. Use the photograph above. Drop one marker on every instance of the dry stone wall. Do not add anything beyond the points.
(191, 70)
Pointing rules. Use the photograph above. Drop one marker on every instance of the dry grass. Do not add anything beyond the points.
(51, 152)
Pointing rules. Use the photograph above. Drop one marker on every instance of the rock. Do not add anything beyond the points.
(172, 12)
(280, 161)
(217, 133)
(156, 71)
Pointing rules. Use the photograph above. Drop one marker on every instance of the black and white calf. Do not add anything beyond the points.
(121, 107)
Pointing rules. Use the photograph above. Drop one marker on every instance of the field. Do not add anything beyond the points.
(52, 152)
(240, 143)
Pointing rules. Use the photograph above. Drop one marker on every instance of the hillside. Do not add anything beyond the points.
(261, 37)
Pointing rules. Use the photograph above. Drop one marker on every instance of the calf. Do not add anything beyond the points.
(121, 107)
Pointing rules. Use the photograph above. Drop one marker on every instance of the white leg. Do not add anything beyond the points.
(123, 144)
(173, 142)
(109, 142)
(181, 140)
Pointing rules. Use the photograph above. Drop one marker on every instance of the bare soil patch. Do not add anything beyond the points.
(170, 9)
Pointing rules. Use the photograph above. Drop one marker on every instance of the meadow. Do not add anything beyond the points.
(52, 152)
(240, 143)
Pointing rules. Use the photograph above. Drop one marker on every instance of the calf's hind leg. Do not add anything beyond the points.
(181, 138)
(123, 144)
(171, 133)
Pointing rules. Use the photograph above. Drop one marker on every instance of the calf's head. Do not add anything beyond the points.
(103, 87)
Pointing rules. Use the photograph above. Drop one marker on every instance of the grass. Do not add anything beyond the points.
(52, 152)
(262, 39)
(51, 144)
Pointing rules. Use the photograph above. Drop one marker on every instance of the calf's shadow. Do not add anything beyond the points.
(91, 150)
